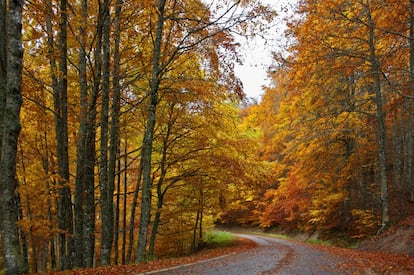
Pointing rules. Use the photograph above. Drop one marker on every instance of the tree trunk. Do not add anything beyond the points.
(160, 191)
(116, 106)
(12, 254)
(3, 65)
(85, 171)
(148, 138)
(106, 177)
(133, 206)
(155, 224)
(125, 259)
(60, 86)
(382, 159)
(195, 228)
(116, 215)
(410, 158)
(33, 262)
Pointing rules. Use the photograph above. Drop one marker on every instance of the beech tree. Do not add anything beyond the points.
(178, 30)
(11, 63)
(59, 80)
(86, 78)
(330, 120)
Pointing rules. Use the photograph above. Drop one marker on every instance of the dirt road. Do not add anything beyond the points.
(271, 256)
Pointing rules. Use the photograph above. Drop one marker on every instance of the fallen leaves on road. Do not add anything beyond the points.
(359, 262)
(239, 246)
(372, 262)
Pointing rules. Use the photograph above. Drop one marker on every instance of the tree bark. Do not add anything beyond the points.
(114, 132)
(84, 186)
(126, 259)
(106, 183)
(148, 138)
(160, 191)
(133, 205)
(3, 65)
(410, 157)
(14, 262)
(382, 159)
(60, 85)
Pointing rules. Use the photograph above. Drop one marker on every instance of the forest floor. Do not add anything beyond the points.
(389, 253)
(237, 247)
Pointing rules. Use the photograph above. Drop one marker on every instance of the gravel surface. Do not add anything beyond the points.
(271, 256)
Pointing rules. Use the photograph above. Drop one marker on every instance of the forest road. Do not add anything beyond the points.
(271, 256)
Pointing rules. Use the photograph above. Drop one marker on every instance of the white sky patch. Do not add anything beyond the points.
(257, 52)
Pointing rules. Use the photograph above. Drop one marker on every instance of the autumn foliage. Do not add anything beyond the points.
(136, 137)
(319, 121)
(130, 128)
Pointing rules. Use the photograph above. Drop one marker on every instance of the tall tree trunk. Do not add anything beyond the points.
(106, 183)
(84, 189)
(14, 262)
(64, 208)
(155, 224)
(149, 136)
(45, 164)
(3, 65)
(125, 259)
(160, 191)
(58, 74)
(379, 101)
(85, 172)
(116, 107)
(195, 228)
(133, 205)
(116, 215)
(33, 262)
(81, 150)
(410, 157)
(115, 112)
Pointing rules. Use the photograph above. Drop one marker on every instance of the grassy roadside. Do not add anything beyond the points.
(216, 239)
(286, 237)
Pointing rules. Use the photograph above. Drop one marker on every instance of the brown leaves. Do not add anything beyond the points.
(239, 246)
(379, 262)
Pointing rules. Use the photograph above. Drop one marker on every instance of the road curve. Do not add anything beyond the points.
(271, 256)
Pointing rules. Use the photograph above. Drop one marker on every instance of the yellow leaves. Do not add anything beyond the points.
(365, 223)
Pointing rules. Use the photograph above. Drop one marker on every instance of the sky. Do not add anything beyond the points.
(257, 53)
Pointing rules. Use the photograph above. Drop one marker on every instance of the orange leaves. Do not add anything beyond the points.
(365, 223)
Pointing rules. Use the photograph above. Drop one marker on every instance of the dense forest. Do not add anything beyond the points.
(126, 135)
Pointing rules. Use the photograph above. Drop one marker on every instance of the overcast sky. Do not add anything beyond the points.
(257, 53)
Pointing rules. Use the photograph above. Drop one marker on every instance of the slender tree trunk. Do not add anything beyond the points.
(155, 224)
(116, 215)
(149, 136)
(133, 207)
(85, 172)
(410, 158)
(124, 216)
(200, 224)
(160, 192)
(106, 177)
(116, 107)
(13, 258)
(22, 235)
(58, 74)
(80, 151)
(88, 238)
(64, 208)
(195, 228)
(33, 263)
(379, 101)
(3, 65)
